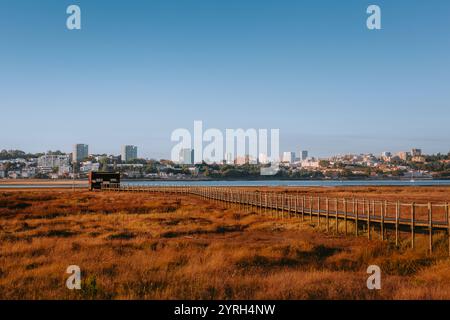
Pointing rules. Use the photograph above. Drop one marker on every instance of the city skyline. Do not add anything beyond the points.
(56, 165)
(186, 155)
(311, 69)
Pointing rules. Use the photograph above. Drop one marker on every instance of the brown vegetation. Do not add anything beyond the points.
(55, 182)
(438, 194)
(154, 246)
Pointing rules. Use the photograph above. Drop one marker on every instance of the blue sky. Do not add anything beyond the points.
(144, 68)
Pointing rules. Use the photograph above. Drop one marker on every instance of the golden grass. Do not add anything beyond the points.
(153, 246)
(42, 182)
(437, 194)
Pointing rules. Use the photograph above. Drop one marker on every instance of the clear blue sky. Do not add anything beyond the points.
(144, 68)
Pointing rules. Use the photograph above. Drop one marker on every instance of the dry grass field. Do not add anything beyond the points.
(154, 246)
(438, 194)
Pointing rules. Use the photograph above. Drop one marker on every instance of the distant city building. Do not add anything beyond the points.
(89, 166)
(229, 158)
(129, 153)
(241, 160)
(80, 152)
(403, 155)
(127, 165)
(288, 157)
(28, 172)
(310, 164)
(187, 156)
(420, 159)
(64, 170)
(100, 158)
(46, 163)
(263, 159)
(250, 159)
(386, 156)
(304, 155)
(416, 152)
(114, 159)
(14, 174)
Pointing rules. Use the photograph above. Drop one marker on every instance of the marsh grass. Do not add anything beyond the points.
(152, 246)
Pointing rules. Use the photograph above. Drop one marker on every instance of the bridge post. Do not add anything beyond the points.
(383, 213)
(397, 218)
(328, 213)
(318, 211)
(289, 205)
(280, 206)
(430, 226)
(368, 219)
(345, 216)
(413, 217)
(336, 211)
(295, 205)
(303, 207)
(265, 203)
(356, 215)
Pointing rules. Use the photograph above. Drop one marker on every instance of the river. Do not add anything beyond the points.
(250, 183)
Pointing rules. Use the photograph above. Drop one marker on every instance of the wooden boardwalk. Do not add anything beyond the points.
(371, 215)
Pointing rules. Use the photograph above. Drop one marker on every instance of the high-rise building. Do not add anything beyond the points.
(80, 151)
(416, 152)
(288, 156)
(304, 155)
(187, 156)
(129, 153)
(386, 154)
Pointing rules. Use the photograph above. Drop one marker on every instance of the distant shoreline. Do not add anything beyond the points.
(80, 184)
(70, 182)
(288, 179)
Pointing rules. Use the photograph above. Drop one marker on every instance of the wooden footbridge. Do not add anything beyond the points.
(371, 216)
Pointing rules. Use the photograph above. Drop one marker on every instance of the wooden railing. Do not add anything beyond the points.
(364, 213)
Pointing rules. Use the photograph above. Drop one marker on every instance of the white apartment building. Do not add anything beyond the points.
(310, 164)
(46, 163)
(89, 166)
(288, 157)
(263, 158)
(28, 172)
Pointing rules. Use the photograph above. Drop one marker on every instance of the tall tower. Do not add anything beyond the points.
(129, 153)
(80, 151)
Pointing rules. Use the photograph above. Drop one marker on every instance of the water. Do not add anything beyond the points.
(294, 183)
(256, 183)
